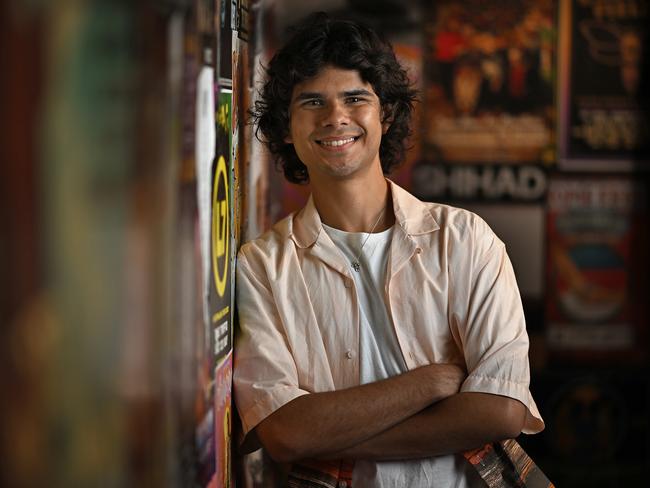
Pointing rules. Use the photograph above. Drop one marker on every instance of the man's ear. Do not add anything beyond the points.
(288, 139)
(386, 118)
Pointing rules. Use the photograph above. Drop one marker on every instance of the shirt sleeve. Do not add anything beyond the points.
(493, 330)
(265, 376)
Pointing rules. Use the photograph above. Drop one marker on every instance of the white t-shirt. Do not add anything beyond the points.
(380, 355)
(381, 358)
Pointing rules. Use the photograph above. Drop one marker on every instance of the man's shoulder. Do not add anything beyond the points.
(464, 234)
(271, 243)
(456, 221)
(421, 216)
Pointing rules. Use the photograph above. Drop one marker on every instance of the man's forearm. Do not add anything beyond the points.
(458, 423)
(323, 423)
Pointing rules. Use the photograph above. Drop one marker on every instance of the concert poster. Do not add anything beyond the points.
(595, 268)
(221, 242)
(602, 126)
(488, 100)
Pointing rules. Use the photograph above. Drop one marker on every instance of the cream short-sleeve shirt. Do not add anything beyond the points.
(450, 289)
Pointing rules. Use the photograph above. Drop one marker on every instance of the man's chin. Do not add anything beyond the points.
(340, 172)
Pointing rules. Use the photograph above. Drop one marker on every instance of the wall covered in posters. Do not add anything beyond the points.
(132, 315)
(497, 138)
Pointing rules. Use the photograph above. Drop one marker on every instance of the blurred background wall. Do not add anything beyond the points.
(129, 176)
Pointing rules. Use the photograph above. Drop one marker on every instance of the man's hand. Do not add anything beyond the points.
(320, 424)
(448, 378)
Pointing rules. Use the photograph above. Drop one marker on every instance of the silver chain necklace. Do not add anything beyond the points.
(355, 263)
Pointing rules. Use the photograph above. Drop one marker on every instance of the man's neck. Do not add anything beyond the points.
(355, 205)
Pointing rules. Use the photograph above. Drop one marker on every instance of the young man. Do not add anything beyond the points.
(378, 333)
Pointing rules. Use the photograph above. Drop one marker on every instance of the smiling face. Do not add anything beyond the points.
(335, 124)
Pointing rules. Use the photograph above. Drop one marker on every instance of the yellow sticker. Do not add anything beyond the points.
(220, 227)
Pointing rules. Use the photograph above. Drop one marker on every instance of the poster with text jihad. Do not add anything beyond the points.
(489, 78)
(601, 123)
(595, 267)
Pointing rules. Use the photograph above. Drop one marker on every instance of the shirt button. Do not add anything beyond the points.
(342, 484)
(418, 250)
(349, 354)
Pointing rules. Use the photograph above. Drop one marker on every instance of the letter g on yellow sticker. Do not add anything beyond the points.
(220, 227)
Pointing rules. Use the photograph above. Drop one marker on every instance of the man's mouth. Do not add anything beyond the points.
(337, 142)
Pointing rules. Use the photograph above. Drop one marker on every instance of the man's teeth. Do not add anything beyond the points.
(339, 142)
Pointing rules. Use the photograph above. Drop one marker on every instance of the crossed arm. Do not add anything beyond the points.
(417, 414)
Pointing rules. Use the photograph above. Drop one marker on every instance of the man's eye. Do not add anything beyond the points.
(314, 103)
(354, 99)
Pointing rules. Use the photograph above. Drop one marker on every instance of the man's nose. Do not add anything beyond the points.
(335, 114)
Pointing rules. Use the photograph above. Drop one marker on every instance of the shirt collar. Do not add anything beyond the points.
(411, 214)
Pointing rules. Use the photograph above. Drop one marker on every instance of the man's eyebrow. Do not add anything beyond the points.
(357, 92)
(308, 96)
(344, 94)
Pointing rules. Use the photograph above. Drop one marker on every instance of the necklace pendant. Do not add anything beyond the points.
(356, 266)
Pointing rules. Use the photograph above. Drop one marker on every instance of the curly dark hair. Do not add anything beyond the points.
(319, 41)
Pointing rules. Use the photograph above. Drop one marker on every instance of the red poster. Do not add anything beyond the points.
(489, 71)
(593, 264)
